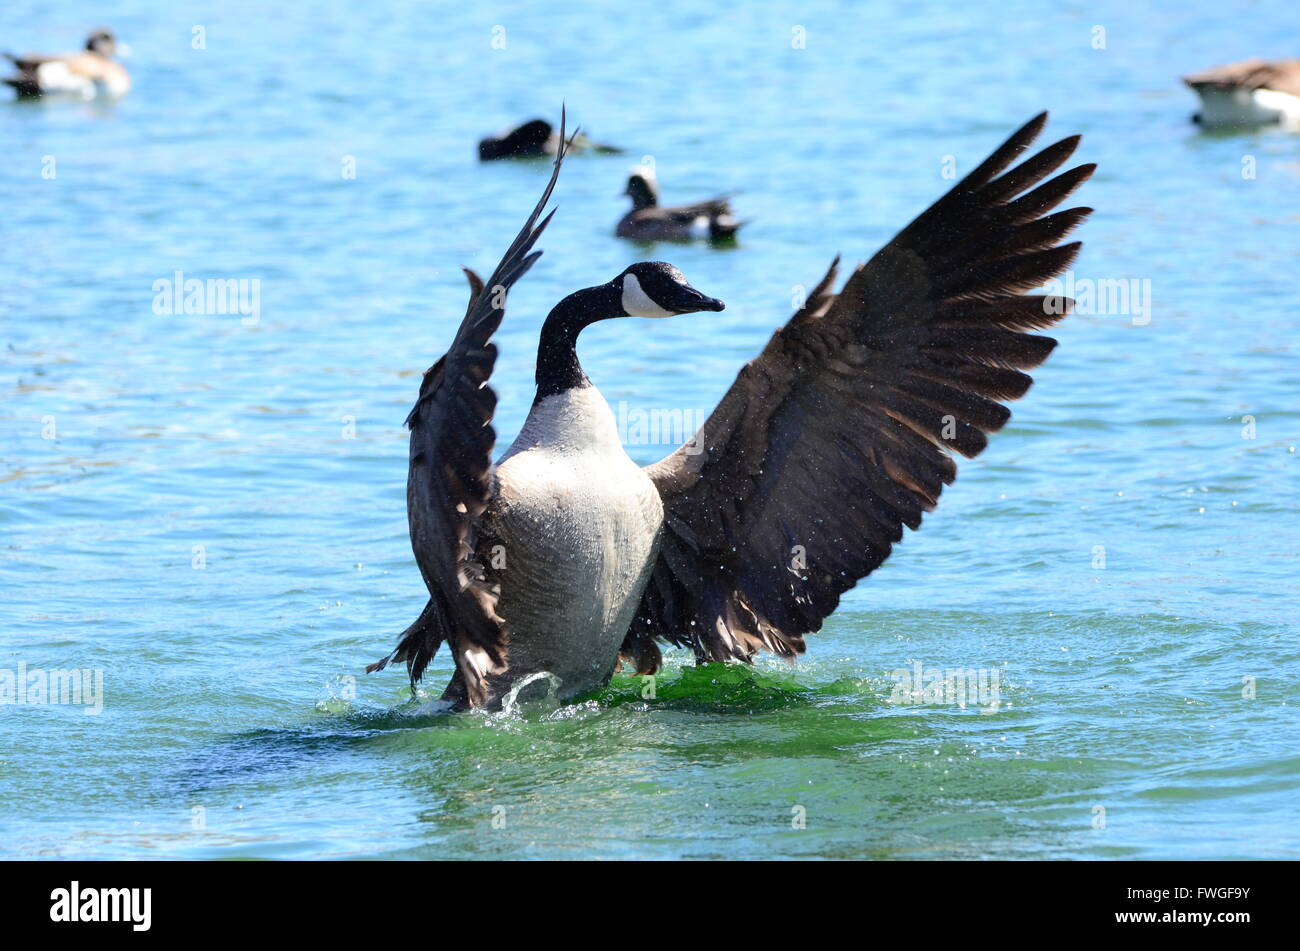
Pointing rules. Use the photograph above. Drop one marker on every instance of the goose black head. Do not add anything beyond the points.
(102, 42)
(642, 188)
(656, 289)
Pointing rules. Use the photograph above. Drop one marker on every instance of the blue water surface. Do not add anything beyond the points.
(210, 510)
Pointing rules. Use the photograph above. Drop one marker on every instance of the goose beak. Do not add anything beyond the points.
(689, 301)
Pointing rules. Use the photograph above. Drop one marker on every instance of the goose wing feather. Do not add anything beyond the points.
(449, 481)
(841, 431)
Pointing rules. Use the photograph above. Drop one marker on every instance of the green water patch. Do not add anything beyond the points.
(713, 687)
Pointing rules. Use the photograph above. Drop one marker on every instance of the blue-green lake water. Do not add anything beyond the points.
(211, 511)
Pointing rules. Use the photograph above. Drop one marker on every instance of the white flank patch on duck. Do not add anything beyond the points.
(113, 86)
(56, 79)
(1234, 107)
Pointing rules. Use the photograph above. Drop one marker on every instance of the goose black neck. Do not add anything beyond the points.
(557, 355)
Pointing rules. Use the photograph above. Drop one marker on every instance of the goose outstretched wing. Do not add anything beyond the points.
(841, 431)
(448, 482)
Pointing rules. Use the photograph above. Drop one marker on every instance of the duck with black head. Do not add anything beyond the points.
(649, 221)
(92, 73)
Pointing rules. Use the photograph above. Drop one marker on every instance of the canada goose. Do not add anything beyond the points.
(1249, 93)
(566, 557)
(533, 139)
(86, 75)
(649, 221)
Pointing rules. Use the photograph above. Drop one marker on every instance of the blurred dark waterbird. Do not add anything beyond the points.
(91, 73)
(650, 221)
(534, 139)
(1249, 93)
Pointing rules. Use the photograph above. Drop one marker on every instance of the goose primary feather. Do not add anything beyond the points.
(566, 558)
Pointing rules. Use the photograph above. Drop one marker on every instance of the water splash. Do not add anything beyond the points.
(510, 703)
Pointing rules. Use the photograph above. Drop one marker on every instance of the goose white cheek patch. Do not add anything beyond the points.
(637, 302)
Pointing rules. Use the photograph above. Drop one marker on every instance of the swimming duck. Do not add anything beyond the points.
(649, 221)
(1252, 92)
(88, 74)
(565, 558)
(534, 139)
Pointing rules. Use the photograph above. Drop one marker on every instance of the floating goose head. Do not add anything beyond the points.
(646, 289)
(656, 289)
(102, 42)
(642, 188)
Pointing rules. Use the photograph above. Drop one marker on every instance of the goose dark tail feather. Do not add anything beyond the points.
(418, 643)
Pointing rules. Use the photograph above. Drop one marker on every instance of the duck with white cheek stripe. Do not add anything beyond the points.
(565, 556)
